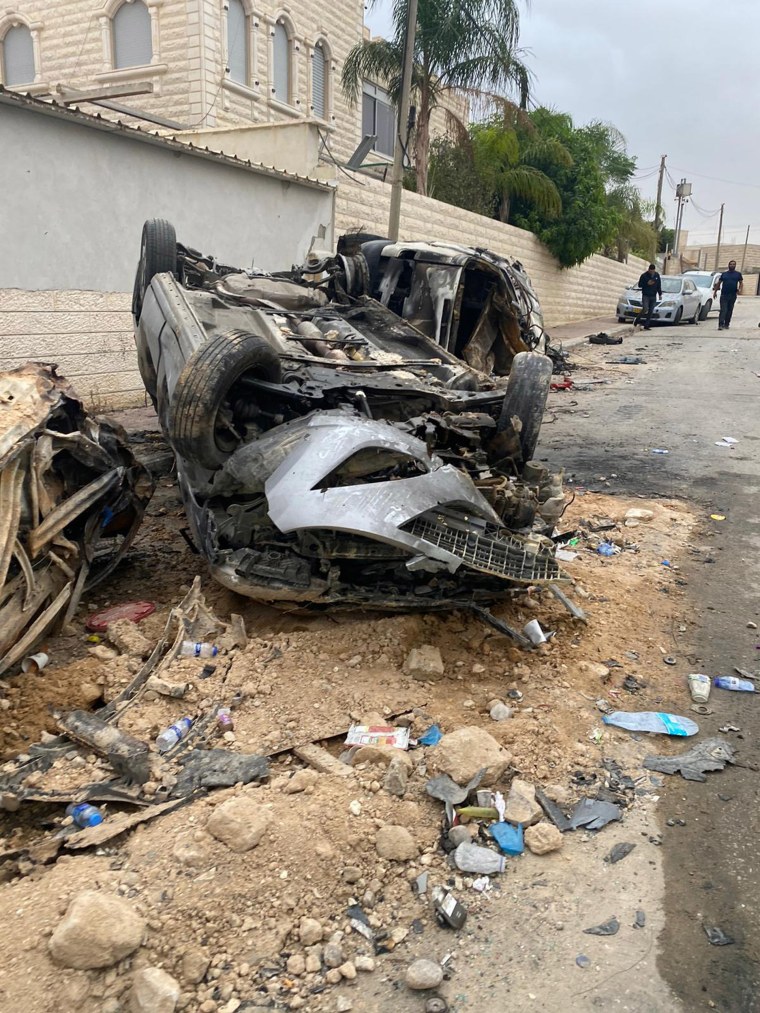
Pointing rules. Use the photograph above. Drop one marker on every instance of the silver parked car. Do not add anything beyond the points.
(680, 301)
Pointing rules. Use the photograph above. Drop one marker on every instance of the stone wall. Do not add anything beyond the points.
(577, 293)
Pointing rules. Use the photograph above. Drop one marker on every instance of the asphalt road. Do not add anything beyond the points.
(697, 386)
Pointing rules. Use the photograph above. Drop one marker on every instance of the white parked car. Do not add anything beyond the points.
(705, 280)
(680, 301)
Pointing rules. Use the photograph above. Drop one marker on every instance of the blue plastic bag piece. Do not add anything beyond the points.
(431, 737)
(606, 549)
(509, 838)
(652, 721)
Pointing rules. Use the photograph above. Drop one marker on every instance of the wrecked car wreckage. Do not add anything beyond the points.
(334, 440)
(72, 497)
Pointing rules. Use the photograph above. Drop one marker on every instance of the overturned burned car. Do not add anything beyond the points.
(343, 432)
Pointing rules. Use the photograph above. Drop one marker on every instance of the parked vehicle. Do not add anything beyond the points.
(330, 449)
(680, 301)
(705, 281)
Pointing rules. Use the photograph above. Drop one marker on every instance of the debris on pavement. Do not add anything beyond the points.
(602, 338)
(699, 686)
(72, 497)
(641, 920)
(710, 755)
(135, 611)
(608, 928)
(593, 814)
(717, 937)
(378, 735)
(732, 683)
(619, 852)
(652, 721)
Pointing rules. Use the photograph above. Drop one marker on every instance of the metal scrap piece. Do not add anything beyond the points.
(553, 811)
(608, 928)
(712, 754)
(717, 936)
(619, 852)
(593, 814)
(218, 768)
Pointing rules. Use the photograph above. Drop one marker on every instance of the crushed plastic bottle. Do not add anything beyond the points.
(731, 682)
(171, 736)
(194, 649)
(84, 814)
(224, 719)
(651, 721)
(472, 858)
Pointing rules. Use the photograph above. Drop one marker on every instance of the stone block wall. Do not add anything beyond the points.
(577, 293)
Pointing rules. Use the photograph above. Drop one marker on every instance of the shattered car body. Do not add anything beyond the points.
(328, 450)
(71, 500)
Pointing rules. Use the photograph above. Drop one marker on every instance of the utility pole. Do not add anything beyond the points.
(658, 208)
(744, 255)
(683, 192)
(720, 232)
(397, 176)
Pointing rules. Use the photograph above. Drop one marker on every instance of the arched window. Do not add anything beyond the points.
(238, 42)
(319, 81)
(131, 28)
(281, 56)
(17, 52)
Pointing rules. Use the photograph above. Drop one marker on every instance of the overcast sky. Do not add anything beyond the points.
(677, 77)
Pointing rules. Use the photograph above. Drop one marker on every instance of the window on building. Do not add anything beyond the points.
(238, 42)
(17, 52)
(379, 117)
(132, 42)
(281, 75)
(319, 73)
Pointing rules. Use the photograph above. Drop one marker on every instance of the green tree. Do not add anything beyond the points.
(460, 47)
(452, 177)
(508, 155)
(667, 238)
(633, 232)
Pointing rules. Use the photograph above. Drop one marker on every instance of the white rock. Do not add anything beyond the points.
(362, 963)
(500, 712)
(97, 930)
(462, 753)
(240, 823)
(423, 974)
(639, 514)
(424, 663)
(543, 838)
(153, 991)
(522, 806)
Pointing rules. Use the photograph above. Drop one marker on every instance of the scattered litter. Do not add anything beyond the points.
(170, 736)
(582, 960)
(431, 737)
(729, 728)
(534, 633)
(641, 920)
(745, 674)
(670, 660)
(731, 682)
(619, 852)
(603, 338)
(603, 707)
(608, 928)
(553, 811)
(652, 721)
(675, 822)
(717, 517)
(700, 708)
(473, 858)
(725, 443)
(751, 626)
(659, 450)
(627, 360)
(448, 911)
(436, 1004)
(593, 814)
(359, 922)
(730, 440)
(482, 884)
(565, 556)
(84, 815)
(135, 611)
(218, 768)
(699, 686)
(712, 754)
(445, 789)
(717, 937)
(607, 549)
(566, 384)
(34, 664)
(515, 694)
(665, 562)
(421, 884)
(508, 837)
(631, 685)
(378, 735)
(197, 649)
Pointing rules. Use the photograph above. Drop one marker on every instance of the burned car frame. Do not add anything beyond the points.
(332, 450)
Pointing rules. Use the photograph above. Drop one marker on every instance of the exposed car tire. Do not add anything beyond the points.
(202, 426)
(621, 320)
(679, 316)
(158, 254)
(695, 319)
(705, 310)
(527, 391)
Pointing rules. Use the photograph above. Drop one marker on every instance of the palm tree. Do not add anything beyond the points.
(461, 46)
(508, 157)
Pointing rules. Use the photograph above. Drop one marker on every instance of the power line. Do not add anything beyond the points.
(718, 179)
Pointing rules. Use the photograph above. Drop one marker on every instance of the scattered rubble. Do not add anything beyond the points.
(97, 930)
(543, 838)
(464, 752)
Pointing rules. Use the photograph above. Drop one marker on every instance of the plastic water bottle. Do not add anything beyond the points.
(193, 649)
(652, 721)
(731, 682)
(84, 814)
(170, 736)
(472, 858)
(224, 719)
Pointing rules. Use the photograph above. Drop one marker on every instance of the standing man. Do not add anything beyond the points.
(651, 290)
(732, 282)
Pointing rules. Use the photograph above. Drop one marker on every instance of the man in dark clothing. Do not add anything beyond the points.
(731, 282)
(651, 290)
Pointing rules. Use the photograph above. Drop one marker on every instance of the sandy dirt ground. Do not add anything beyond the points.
(307, 678)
